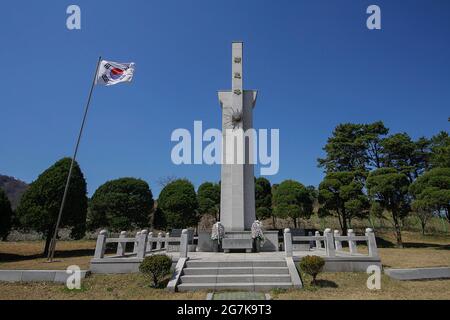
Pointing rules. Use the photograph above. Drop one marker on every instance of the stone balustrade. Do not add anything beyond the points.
(331, 242)
(143, 243)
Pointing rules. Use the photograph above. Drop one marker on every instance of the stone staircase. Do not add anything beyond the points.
(235, 275)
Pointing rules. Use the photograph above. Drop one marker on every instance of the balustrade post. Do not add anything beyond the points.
(351, 243)
(159, 241)
(121, 246)
(100, 247)
(371, 243)
(166, 244)
(311, 242)
(337, 243)
(136, 242)
(142, 244)
(288, 242)
(329, 243)
(150, 242)
(318, 242)
(184, 244)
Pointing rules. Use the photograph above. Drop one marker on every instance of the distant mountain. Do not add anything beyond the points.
(14, 189)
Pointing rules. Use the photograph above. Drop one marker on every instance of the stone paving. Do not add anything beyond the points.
(238, 296)
(263, 256)
(419, 273)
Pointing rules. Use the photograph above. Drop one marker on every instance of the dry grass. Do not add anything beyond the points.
(352, 286)
(96, 287)
(414, 257)
(418, 251)
(28, 255)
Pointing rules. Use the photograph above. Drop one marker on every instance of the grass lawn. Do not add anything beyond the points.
(352, 286)
(95, 287)
(28, 255)
(419, 251)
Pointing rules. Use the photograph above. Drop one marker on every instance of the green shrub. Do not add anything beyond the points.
(312, 265)
(157, 267)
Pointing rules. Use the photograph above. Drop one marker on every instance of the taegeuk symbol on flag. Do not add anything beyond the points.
(110, 73)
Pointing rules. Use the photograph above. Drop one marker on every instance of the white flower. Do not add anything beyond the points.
(257, 232)
(217, 232)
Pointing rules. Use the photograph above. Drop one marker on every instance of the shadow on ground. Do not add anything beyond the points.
(10, 257)
(426, 245)
(326, 284)
(383, 243)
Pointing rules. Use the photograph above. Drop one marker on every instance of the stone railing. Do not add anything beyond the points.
(143, 243)
(331, 242)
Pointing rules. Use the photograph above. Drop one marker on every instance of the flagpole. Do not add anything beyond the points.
(51, 252)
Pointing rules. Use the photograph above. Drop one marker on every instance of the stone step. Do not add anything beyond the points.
(235, 270)
(231, 263)
(254, 286)
(236, 278)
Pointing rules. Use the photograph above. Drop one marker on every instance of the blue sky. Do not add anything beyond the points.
(314, 63)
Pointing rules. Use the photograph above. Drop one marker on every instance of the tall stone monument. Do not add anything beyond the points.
(237, 199)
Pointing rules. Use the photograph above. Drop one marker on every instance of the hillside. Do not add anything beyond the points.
(14, 189)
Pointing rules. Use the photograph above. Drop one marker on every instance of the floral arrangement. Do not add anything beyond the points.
(217, 232)
(257, 232)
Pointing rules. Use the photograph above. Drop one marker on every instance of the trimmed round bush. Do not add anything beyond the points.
(156, 267)
(312, 265)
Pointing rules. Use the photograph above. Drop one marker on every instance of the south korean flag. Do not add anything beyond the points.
(110, 73)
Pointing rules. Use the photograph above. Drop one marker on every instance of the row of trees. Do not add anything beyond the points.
(121, 204)
(288, 200)
(368, 173)
(117, 204)
(180, 206)
(127, 203)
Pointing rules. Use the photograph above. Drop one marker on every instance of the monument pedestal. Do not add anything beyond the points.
(237, 240)
(242, 240)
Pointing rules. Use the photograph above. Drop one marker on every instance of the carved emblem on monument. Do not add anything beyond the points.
(234, 118)
(237, 59)
(237, 75)
(237, 91)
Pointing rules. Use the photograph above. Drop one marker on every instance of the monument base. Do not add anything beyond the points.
(243, 240)
(237, 240)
